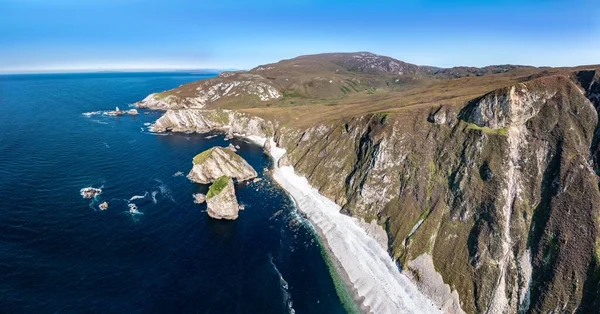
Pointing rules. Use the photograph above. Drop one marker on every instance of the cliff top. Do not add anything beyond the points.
(203, 156)
(313, 89)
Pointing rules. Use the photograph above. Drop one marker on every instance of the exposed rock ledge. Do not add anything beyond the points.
(221, 201)
(217, 162)
(203, 121)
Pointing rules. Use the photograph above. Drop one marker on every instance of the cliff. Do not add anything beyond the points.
(217, 162)
(221, 201)
(486, 186)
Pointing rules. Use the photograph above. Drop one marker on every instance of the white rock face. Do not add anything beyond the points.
(218, 161)
(504, 108)
(422, 271)
(156, 102)
(202, 121)
(212, 90)
(223, 204)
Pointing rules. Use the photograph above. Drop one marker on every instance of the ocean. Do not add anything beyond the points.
(60, 254)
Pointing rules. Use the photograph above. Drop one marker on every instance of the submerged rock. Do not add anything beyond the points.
(199, 198)
(90, 192)
(218, 161)
(221, 201)
(103, 206)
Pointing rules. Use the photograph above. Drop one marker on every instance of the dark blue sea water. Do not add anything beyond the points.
(60, 254)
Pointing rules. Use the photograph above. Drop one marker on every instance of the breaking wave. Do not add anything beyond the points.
(154, 197)
(137, 197)
(133, 209)
(164, 190)
(287, 297)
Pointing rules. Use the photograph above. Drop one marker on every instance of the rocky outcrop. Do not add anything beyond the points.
(202, 121)
(210, 91)
(221, 201)
(218, 161)
(491, 208)
(199, 198)
(90, 192)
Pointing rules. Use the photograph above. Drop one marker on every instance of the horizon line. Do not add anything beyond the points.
(117, 70)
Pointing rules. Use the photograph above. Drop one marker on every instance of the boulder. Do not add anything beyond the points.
(90, 192)
(199, 198)
(103, 206)
(221, 201)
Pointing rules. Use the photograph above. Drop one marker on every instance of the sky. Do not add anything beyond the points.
(79, 35)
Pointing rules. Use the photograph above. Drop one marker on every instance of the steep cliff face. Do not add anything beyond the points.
(491, 207)
(503, 198)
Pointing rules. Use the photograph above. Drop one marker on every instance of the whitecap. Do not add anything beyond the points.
(164, 190)
(154, 196)
(284, 286)
(137, 197)
(92, 113)
(133, 209)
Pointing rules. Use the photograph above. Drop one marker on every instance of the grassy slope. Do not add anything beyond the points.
(217, 187)
(322, 88)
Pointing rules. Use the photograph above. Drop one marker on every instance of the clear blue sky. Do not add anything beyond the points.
(128, 34)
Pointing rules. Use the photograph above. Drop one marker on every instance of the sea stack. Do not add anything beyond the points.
(220, 199)
(217, 162)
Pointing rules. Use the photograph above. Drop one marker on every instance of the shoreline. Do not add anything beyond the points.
(371, 278)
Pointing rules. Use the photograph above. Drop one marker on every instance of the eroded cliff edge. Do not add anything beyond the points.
(499, 197)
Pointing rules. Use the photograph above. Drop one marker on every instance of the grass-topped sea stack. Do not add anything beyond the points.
(221, 200)
(220, 166)
(218, 161)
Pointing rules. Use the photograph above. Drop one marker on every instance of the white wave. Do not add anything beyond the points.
(106, 144)
(154, 133)
(374, 276)
(287, 297)
(92, 113)
(98, 121)
(133, 209)
(154, 196)
(137, 197)
(164, 190)
(178, 174)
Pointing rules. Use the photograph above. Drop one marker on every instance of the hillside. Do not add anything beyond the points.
(486, 177)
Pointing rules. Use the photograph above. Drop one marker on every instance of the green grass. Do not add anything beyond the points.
(486, 130)
(160, 95)
(200, 158)
(217, 186)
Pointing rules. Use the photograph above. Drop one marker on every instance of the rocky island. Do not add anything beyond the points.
(221, 201)
(485, 180)
(217, 162)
